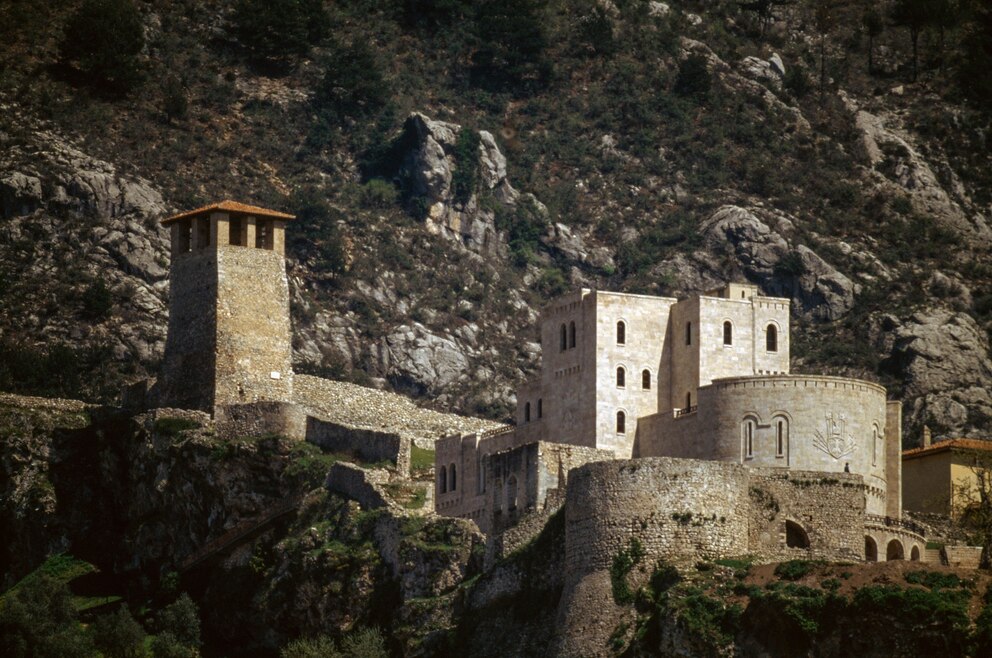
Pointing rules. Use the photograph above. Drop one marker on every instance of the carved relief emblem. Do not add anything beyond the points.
(834, 441)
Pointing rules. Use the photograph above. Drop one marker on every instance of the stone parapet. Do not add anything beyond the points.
(365, 444)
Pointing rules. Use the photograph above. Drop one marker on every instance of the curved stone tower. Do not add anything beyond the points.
(229, 339)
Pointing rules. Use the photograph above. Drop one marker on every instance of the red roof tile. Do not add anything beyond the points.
(948, 444)
(232, 207)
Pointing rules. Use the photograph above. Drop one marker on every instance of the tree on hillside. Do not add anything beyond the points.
(353, 85)
(872, 21)
(512, 38)
(914, 15)
(102, 41)
(273, 32)
(118, 635)
(824, 21)
(38, 620)
(764, 10)
(976, 61)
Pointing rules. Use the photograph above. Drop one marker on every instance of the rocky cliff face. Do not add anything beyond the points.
(431, 237)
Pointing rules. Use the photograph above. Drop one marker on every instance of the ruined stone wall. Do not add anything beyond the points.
(829, 423)
(186, 380)
(367, 445)
(359, 484)
(254, 349)
(261, 418)
(829, 508)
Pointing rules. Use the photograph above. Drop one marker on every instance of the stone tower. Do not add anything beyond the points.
(229, 339)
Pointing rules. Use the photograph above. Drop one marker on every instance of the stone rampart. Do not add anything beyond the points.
(365, 444)
(678, 508)
(825, 512)
(260, 418)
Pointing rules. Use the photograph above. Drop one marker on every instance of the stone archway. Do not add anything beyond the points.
(795, 535)
(914, 554)
(894, 551)
(871, 550)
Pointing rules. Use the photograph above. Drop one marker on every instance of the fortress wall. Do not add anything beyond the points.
(568, 377)
(645, 320)
(365, 444)
(811, 442)
(359, 484)
(186, 379)
(678, 509)
(260, 418)
(828, 507)
(254, 350)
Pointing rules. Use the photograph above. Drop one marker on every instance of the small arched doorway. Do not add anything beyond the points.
(894, 551)
(914, 554)
(795, 535)
(871, 550)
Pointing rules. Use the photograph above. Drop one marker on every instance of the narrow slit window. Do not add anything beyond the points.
(646, 380)
(781, 436)
(621, 377)
(527, 412)
(621, 333)
(771, 338)
(747, 430)
(621, 422)
(688, 333)
(540, 407)
(563, 342)
(571, 334)
(728, 333)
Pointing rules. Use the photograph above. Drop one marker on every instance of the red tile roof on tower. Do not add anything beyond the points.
(949, 444)
(232, 207)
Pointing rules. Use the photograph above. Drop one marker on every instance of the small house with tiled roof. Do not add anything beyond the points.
(943, 477)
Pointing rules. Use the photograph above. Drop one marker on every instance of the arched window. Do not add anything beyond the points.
(781, 436)
(563, 343)
(728, 333)
(795, 535)
(571, 334)
(646, 379)
(894, 551)
(621, 333)
(621, 422)
(871, 550)
(442, 480)
(452, 480)
(621, 377)
(527, 412)
(914, 555)
(498, 496)
(540, 407)
(747, 436)
(688, 333)
(771, 338)
(511, 493)
(874, 445)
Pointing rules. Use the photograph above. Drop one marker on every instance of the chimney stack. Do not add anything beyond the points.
(926, 437)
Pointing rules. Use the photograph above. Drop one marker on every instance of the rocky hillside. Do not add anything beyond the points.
(454, 165)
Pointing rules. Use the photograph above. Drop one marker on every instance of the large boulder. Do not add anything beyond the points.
(942, 357)
(752, 249)
(428, 171)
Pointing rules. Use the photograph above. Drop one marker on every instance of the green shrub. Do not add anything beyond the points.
(465, 178)
(39, 619)
(797, 82)
(181, 619)
(693, 78)
(623, 563)
(96, 300)
(795, 569)
(353, 85)
(103, 40)
(524, 226)
(118, 635)
(320, 646)
(175, 100)
(169, 427)
(379, 193)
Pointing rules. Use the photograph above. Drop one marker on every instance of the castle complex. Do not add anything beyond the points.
(704, 382)
(675, 422)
